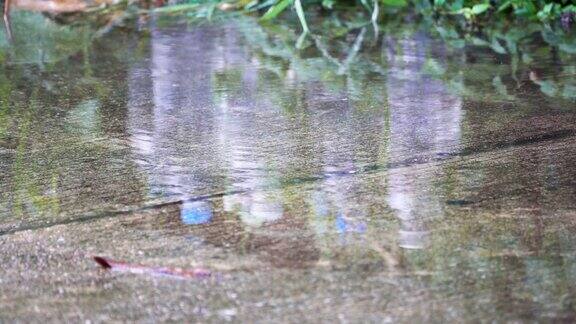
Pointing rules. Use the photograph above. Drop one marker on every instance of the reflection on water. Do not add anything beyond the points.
(299, 163)
(425, 123)
(211, 126)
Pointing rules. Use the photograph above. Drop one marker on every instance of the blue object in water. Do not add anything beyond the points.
(343, 226)
(196, 212)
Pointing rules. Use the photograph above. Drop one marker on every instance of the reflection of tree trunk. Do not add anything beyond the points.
(425, 124)
(172, 134)
(6, 8)
(191, 136)
(7, 19)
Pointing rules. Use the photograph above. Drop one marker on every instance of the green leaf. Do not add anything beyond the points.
(496, 47)
(479, 42)
(456, 5)
(501, 87)
(526, 59)
(548, 87)
(394, 3)
(276, 9)
(570, 8)
(328, 4)
(300, 40)
(300, 13)
(366, 5)
(504, 6)
(480, 8)
(457, 43)
(176, 8)
(432, 67)
(211, 9)
(569, 91)
(439, 3)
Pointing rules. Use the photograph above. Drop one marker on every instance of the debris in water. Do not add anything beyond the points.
(158, 271)
(459, 202)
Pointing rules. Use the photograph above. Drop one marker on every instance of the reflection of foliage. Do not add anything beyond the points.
(519, 42)
(503, 38)
(51, 99)
(29, 193)
(333, 60)
(40, 40)
(5, 88)
(472, 11)
(346, 55)
(523, 47)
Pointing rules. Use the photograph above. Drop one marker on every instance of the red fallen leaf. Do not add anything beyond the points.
(158, 271)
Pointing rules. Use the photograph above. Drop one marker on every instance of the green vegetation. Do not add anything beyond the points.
(474, 13)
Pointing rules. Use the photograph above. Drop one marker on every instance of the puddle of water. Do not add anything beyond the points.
(410, 167)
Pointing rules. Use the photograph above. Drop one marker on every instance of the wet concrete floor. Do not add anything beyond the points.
(408, 181)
